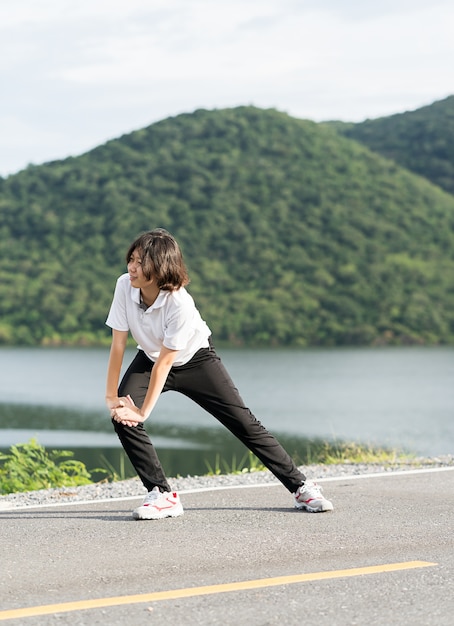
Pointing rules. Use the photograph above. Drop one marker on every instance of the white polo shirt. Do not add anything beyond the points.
(172, 321)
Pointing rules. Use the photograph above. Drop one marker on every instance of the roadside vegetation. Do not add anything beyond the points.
(30, 467)
(323, 453)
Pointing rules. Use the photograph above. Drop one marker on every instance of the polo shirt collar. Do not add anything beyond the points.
(158, 303)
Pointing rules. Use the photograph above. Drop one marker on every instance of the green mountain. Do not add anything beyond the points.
(421, 141)
(293, 234)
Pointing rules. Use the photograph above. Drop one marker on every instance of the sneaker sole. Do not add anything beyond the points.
(309, 509)
(158, 515)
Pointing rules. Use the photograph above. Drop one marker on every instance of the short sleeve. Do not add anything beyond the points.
(117, 318)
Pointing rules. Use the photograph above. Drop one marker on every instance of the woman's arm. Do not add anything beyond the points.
(159, 373)
(161, 368)
(117, 351)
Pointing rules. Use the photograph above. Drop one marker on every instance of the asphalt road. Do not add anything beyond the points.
(239, 556)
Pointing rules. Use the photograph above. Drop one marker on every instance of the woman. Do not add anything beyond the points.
(175, 352)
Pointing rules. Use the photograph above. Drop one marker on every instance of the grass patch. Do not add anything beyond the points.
(323, 453)
(113, 474)
(249, 463)
(350, 452)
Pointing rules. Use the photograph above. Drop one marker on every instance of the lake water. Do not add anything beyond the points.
(397, 397)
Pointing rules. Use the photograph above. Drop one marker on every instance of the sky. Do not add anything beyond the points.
(77, 73)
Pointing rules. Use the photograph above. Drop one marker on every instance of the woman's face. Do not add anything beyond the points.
(136, 275)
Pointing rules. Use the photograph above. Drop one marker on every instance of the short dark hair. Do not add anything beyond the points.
(162, 258)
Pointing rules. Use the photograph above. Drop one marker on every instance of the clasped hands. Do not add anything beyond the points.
(126, 412)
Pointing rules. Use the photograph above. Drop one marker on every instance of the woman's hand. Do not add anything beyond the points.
(125, 412)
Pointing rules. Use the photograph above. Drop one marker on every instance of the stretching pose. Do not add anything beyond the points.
(175, 352)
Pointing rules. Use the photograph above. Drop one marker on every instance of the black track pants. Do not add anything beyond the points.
(205, 380)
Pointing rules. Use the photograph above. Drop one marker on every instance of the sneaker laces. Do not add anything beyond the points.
(151, 496)
(310, 490)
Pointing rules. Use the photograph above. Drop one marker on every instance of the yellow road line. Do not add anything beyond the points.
(189, 592)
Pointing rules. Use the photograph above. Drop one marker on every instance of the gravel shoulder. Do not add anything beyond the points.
(133, 488)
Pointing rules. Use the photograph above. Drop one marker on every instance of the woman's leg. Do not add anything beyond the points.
(135, 440)
(205, 380)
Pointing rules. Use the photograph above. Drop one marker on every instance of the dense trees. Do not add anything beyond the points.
(421, 140)
(293, 234)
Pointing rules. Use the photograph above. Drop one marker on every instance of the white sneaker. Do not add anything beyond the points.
(309, 497)
(158, 505)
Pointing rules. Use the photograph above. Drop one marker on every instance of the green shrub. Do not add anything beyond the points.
(29, 466)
